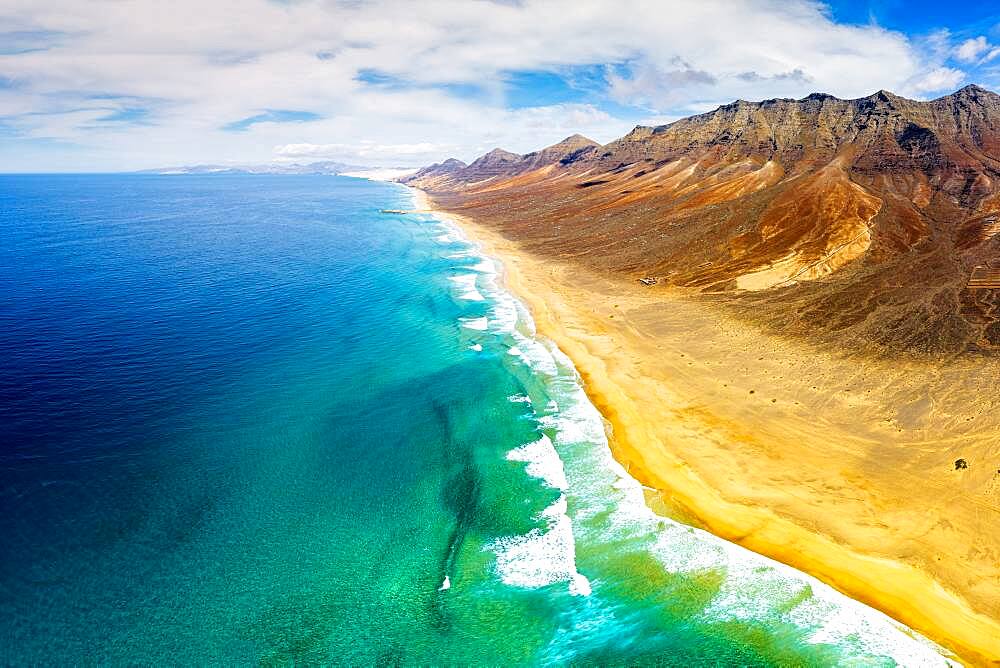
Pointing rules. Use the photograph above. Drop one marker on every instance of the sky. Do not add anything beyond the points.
(114, 85)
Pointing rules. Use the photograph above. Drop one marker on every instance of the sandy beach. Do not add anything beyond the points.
(842, 468)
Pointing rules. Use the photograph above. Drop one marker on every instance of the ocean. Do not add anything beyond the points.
(251, 419)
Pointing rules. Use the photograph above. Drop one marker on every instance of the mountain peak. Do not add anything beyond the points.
(971, 88)
(973, 91)
(819, 97)
(494, 163)
(498, 154)
(883, 96)
(577, 140)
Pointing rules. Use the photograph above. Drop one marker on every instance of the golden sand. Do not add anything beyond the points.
(840, 468)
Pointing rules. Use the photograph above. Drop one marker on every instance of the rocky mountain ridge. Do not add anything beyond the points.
(850, 220)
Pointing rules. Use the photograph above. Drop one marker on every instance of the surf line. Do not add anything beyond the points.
(547, 554)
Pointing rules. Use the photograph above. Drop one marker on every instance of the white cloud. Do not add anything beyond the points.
(941, 78)
(970, 50)
(653, 121)
(387, 72)
(364, 149)
(937, 44)
(652, 86)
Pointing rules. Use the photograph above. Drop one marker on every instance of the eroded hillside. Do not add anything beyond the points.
(851, 221)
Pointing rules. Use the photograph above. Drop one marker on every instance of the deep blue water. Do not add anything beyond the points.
(251, 419)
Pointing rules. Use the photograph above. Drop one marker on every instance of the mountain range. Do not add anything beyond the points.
(873, 221)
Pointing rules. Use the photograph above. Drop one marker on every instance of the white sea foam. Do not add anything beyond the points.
(543, 556)
(466, 284)
(609, 508)
(478, 347)
(480, 324)
(485, 266)
(534, 354)
(547, 554)
(542, 462)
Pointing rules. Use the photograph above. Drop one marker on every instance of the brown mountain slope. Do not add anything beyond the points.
(858, 226)
(852, 221)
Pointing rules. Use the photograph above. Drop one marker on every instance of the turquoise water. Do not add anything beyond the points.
(253, 420)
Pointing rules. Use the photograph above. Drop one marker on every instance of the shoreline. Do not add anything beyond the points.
(591, 336)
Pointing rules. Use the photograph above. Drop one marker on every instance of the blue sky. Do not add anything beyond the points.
(104, 85)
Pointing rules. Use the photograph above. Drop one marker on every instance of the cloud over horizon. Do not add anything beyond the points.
(131, 84)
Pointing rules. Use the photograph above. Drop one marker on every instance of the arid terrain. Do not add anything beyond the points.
(789, 312)
(854, 221)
